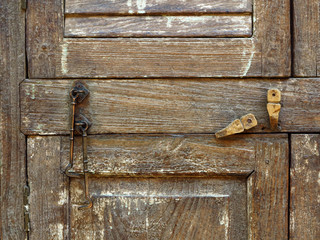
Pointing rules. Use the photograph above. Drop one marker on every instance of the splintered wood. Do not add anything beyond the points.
(238, 126)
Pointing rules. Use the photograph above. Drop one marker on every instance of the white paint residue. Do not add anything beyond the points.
(311, 145)
(248, 66)
(64, 56)
(169, 21)
(224, 220)
(56, 230)
(63, 197)
(141, 4)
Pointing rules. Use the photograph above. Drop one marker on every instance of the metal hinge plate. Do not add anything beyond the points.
(26, 193)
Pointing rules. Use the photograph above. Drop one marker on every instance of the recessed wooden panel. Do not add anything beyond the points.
(266, 53)
(161, 208)
(155, 6)
(159, 26)
(169, 106)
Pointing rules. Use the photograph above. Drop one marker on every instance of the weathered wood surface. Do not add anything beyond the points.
(305, 187)
(268, 190)
(267, 53)
(161, 208)
(169, 106)
(258, 205)
(159, 26)
(158, 57)
(165, 155)
(12, 141)
(156, 7)
(274, 39)
(48, 189)
(306, 38)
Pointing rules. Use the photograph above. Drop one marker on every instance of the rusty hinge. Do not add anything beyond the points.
(23, 4)
(26, 193)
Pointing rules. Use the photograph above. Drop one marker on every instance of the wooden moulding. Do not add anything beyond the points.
(159, 26)
(157, 7)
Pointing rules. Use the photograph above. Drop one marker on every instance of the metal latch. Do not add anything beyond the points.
(81, 125)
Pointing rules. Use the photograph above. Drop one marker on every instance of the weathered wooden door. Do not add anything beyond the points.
(159, 76)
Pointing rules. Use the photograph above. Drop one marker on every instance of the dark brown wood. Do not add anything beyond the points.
(169, 106)
(268, 191)
(159, 26)
(49, 192)
(156, 7)
(12, 141)
(306, 38)
(267, 53)
(305, 189)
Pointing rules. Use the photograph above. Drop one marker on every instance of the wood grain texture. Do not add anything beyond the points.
(268, 191)
(274, 39)
(154, 6)
(161, 208)
(48, 189)
(267, 53)
(305, 187)
(158, 57)
(12, 141)
(306, 37)
(159, 26)
(169, 106)
(43, 46)
(164, 155)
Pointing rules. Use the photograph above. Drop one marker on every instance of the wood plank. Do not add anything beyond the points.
(159, 26)
(274, 40)
(43, 46)
(268, 191)
(154, 6)
(48, 189)
(305, 189)
(12, 141)
(169, 106)
(158, 57)
(306, 37)
(164, 155)
(161, 208)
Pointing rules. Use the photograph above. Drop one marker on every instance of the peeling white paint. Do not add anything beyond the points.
(248, 66)
(141, 4)
(56, 230)
(63, 197)
(64, 57)
(224, 220)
